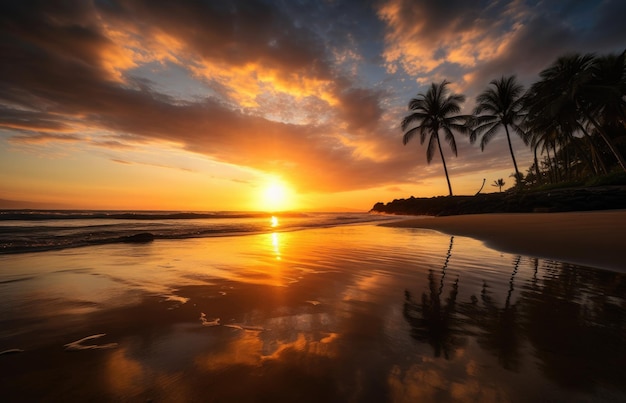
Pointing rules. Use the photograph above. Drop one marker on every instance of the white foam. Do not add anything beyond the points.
(77, 345)
(206, 322)
(247, 328)
(176, 298)
(12, 351)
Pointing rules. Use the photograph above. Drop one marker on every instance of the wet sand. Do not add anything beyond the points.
(595, 238)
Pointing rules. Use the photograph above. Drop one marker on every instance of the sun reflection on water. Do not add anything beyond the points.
(274, 221)
(276, 244)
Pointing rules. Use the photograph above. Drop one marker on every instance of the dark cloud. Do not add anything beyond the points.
(434, 18)
(360, 108)
(232, 32)
(549, 30)
(34, 138)
(609, 30)
(533, 47)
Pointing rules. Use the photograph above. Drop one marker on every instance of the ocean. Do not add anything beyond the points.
(247, 307)
(43, 230)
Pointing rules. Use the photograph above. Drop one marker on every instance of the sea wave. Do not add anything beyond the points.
(30, 215)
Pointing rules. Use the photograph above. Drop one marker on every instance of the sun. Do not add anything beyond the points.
(276, 196)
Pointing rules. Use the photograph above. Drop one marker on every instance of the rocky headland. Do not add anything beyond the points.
(558, 200)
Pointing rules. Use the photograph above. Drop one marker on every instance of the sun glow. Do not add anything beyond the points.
(276, 196)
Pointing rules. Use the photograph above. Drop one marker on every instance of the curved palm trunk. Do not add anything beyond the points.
(568, 163)
(445, 169)
(608, 141)
(557, 169)
(596, 159)
(537, 165)
(552, 170)
(517, 174)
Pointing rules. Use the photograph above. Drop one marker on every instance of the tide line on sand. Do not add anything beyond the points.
(591, 238)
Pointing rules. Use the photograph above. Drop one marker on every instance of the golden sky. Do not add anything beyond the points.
(259, 105)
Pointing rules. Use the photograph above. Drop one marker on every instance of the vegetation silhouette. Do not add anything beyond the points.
(499, 184)
(577, 110)
(481, 187)
(431, 112)
(573, 118)
(553, 108)
(500, 105)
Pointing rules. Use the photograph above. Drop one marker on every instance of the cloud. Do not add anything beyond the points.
(360, 108)
(112, 144)
(82, 82)
(125, 162)
(43, 138)
(242, 49)
(297, 90)
(487, 40)
(422, 36)
(33, 121)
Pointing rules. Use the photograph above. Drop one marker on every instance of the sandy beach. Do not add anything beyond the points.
(596, 238)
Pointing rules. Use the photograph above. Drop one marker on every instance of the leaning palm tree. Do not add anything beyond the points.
(606, 96)
(500, 105)
(436, 110)
(576, 89)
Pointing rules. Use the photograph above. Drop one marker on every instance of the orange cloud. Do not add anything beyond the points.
(282, 98)
(422, 38)
(42, 138)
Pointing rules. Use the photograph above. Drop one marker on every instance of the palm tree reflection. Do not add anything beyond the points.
(431, 321)
(569, 321)
(500, 329)
(576, 322)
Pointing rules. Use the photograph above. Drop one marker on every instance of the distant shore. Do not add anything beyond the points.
(592, 238)
(555, 200)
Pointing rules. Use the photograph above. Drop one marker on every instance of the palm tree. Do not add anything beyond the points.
(499, 183)
(499, 105)
(606, 96)
(436, 110)
(578, 88)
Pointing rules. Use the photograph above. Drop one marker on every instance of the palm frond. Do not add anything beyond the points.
(430, 150)
(436, 109)
(450, 140)
(412, 118)
(409, 135)
(488, 135)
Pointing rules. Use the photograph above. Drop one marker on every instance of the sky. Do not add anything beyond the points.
(260, 105)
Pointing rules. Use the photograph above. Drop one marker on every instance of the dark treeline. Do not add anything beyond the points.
(573, 119)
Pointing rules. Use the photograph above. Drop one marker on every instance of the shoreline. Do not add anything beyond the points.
(591, 238)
